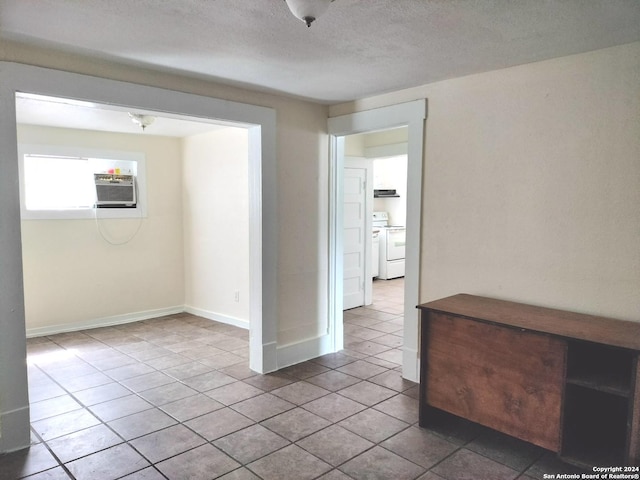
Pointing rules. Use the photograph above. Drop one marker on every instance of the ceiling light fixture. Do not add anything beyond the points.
(141, 119)
(308, 10)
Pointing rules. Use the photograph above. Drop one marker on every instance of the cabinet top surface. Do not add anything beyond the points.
(607, 331)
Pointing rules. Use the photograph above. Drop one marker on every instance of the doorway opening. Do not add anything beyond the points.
(259, 123)
(413, 116)
(375, 196)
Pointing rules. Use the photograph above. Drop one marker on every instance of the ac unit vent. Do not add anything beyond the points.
(116, 191)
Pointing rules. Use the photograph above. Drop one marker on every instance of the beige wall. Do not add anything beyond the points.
(532, 183)
(216, 224)
(73, 276)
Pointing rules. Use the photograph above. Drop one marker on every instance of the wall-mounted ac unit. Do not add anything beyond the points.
(115, 191)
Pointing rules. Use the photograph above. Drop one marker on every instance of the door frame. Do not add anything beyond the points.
(412, 115)
(261, 125)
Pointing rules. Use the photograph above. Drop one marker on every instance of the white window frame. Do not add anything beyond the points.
(140, 210)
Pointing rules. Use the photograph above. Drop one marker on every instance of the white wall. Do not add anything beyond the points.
(73, 277)
(216, 225)
(532, 183)
(391, 173)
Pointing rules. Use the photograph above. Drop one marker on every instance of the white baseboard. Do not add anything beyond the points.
(302, 351)
(103, 322)
(133, 317)
(218, 317)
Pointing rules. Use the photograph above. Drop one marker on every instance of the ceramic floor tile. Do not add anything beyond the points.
(467, 465)
(171, 441)
(392, 379)
(202, 463)
(420, 446)
(234, 393)
(142, 423)
(240, 474)
(373, 425)
(147, 381)
(52, 407)
(289, 463)
(219, 423)
(300, 392)
(57, 473)
(401, 406)
(270, 381)
(191, 407)
(64, 424)
(334, 407)
(128, 371)
(367, 393)
(262, 407)
(75, 384)
(167, 361)
(222, 360)
(103, 393)
(239, 371)
(362, 369)
(334, 360)
(187, 370)
(85, 442)
(208, 381)
(394, 356)
(167, 393)
(333, 380)
(335, 475)
(149, 473)
(250, 443)
(381, 464)
(109, 464)
(335, 445)
(26, 462)
(296, 424)
(304, 370)
(120, 407)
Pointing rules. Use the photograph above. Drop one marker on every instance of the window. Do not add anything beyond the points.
(58, 182)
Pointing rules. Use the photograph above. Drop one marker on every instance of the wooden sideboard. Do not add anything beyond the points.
(565, 381)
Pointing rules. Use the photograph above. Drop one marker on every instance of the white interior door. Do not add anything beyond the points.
(358, 205)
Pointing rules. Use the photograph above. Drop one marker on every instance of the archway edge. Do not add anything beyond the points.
(261, 123)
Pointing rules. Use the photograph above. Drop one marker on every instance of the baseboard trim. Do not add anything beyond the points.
(218, 317)
(104, 321)
(304, 350)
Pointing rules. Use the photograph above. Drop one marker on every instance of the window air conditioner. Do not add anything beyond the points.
(115, 191)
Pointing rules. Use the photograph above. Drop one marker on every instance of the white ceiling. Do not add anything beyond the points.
(358, 48)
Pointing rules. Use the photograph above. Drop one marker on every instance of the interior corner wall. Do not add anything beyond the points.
(216, 225)
(532, 183)
(73, 278)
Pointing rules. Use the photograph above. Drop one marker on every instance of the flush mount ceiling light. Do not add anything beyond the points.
(308, 10)
(142, 120)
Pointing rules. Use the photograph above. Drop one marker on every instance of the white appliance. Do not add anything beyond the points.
(113, 190)
(392, 240)
(375, 253)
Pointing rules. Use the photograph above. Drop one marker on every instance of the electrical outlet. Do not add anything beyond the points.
(236, 296)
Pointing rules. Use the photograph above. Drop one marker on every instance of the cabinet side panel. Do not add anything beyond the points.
(503, 378)
(634, 431)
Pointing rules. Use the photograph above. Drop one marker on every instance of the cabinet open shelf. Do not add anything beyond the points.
(600, 367)
(595, 425)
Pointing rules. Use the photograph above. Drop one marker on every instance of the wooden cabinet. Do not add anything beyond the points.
(564, 381)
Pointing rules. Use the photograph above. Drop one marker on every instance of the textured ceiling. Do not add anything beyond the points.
(358, 48)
